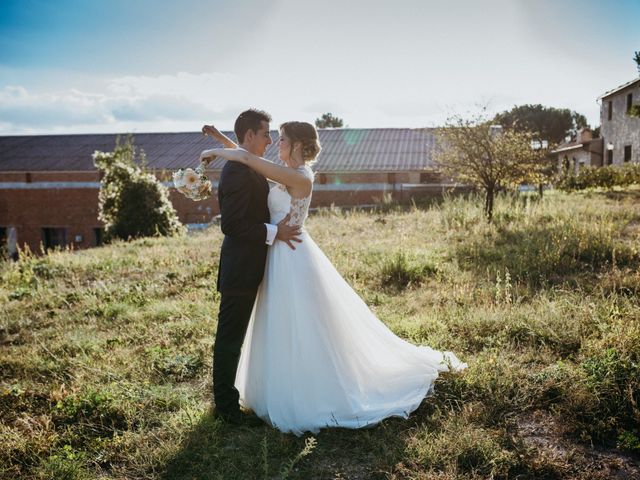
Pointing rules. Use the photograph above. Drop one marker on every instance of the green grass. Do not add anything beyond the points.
(105, 354)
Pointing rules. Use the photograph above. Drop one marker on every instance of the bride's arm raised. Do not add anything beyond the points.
(299, 185)
(218, 135)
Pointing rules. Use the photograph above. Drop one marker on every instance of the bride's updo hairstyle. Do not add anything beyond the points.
(306, 134)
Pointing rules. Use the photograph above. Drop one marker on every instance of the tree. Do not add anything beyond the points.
(543, 123)
(132, 202)
(328, 120)
(634, 111)
(475, 152)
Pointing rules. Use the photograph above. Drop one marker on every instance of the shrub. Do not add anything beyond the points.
(600, 177)
(132, 202)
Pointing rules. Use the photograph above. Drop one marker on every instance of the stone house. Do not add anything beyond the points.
(619, 140)
(619, 130)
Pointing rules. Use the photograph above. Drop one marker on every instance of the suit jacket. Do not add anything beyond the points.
(242, 196)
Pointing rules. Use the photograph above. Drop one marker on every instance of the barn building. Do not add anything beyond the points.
(49, 185)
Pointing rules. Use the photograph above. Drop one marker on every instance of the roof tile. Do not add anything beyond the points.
(343, 150)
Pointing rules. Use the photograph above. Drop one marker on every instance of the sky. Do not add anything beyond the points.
(117, 66)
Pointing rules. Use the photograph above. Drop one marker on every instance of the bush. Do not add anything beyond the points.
(132, 202)
(601, 177)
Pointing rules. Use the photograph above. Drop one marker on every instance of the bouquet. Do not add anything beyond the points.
(193, 183)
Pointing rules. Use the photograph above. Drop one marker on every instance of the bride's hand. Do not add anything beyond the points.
(232, 154)
(207, 156)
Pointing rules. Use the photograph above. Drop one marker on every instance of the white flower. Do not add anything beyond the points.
(192, 184)
(191, 178)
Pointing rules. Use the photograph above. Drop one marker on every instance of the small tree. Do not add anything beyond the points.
(327, 120)
(132, 202)
(636, 59)
(475, 152)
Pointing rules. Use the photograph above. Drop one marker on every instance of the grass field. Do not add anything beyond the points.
(105, 354)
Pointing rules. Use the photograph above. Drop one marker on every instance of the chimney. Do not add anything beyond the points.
(585, 135)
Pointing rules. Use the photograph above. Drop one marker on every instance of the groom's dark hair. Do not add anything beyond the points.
(249, 120)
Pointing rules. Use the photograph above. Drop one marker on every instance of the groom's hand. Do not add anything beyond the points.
(288, 233)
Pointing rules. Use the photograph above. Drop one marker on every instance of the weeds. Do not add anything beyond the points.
(105, 354)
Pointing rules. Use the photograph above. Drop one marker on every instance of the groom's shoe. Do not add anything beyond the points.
(239, 418)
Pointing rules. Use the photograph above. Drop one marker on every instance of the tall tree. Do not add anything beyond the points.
(472, 151)
(636, 58)
(543, 123)
(327, 120)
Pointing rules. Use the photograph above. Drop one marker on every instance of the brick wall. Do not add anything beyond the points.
(30, 208)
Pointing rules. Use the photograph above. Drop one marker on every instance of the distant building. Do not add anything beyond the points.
(49, 185)
(582, 151)
(619, 140)
(619, 130)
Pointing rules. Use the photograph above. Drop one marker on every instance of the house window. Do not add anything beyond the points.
(321, 178)
(627, 153)
(565, 164)
(391, 177)
(609, 157)
(54, 237)
(610, 109)
(98, 236)
(629, 101)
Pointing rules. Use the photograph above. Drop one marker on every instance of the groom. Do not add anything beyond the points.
(242, 196)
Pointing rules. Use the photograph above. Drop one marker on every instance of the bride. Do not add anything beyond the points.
(314, 355)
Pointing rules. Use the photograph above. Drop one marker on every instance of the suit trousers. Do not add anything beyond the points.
(233, 319)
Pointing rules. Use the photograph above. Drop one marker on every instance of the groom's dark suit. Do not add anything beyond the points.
(242, 196)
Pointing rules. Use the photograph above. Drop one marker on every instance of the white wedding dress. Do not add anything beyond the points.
(314, 355)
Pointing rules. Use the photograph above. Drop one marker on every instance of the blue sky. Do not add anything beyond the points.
(77, 66)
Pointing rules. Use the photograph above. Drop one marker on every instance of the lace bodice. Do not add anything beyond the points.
(281, 203)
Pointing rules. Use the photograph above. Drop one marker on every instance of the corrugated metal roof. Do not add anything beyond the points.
(343, 150)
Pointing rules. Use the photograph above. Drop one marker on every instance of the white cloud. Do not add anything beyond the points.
(117, 104)
(21, 108)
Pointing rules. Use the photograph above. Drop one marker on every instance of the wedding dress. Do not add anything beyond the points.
(314, 355)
